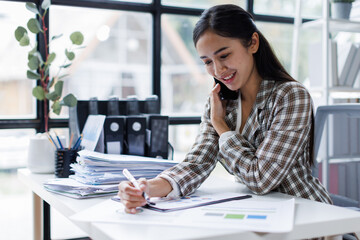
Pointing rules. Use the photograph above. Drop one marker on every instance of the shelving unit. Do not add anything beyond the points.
(327, 26)
(335, 25)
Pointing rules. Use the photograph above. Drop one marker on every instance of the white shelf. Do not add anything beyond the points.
(337, 92)
(344, 89)
(335, 25)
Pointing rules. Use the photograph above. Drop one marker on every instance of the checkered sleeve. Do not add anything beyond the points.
(200, 161)
(262, 169)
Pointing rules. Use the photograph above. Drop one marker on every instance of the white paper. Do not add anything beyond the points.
(279, 215)
(75, 189)
(99, 168)
(92, 131)
(259, 216)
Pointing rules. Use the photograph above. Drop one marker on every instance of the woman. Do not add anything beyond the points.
(262, 137)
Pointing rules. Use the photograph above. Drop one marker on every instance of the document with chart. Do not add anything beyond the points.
(247, 214)
(259, 216)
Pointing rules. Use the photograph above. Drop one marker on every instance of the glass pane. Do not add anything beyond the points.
(15, 88)
(310, 8)
(13, 147)
(280, 38)
(117, 57)
(308, 38)
(182, 137)
(185, 83)
(275, 7)
(201, 3)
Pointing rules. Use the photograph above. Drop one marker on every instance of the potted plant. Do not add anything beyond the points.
(340, 9)
(50, 88)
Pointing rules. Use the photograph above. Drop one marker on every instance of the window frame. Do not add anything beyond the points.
(156, 9)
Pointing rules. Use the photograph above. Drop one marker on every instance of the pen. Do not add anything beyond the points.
(78, 142)
(57, 137)
(52, 139)
(131, 178)
(71, 139)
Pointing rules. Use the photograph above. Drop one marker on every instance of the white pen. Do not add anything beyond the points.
(131, 178)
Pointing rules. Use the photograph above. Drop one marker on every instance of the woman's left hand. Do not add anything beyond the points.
(218, 111)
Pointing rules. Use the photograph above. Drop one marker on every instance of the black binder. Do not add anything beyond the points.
(135, 135)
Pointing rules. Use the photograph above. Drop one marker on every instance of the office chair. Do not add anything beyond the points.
(322, 114)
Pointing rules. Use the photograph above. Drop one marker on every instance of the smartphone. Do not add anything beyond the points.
(226, 93)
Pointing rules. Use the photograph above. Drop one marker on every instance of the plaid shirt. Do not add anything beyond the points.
(270, 154)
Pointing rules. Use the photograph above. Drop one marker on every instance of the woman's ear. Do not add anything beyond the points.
(254, 43)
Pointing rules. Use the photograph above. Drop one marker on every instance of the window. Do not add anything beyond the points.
(182, 137)
(117, 58)
(15, 88)
(185, 83)
(279, 36)
(286, 8)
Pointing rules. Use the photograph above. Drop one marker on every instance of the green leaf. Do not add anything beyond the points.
(69, 100)
(56, 107)
(66, 65)
(56, 37)
(50, 83)
(32, 75)
(31, 53)
(52, 96)
(19, 32)
(77, 38)
(25, 41)
(59, 87)
(32, 7)
(45, 4)
(38, 92)
(34, 26)
(33, 63)
(51, 58)
(46, 70)
(69, 55)
(38, 55)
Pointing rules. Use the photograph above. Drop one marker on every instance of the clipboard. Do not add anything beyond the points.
(187, 202)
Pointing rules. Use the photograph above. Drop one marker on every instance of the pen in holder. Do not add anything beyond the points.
(63, 159)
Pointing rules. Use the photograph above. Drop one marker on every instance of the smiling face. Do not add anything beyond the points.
(227, 59)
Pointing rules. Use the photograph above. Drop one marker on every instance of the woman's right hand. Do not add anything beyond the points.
(218, 111)
(132, 197)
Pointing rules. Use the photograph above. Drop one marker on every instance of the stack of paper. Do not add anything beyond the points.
(98, 168)
(74, 189)
(98, 174)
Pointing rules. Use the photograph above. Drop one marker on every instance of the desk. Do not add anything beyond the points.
(312, 219)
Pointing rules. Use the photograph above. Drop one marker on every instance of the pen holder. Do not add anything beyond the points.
(63, 159)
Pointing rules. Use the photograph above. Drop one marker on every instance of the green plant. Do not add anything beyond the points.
(39, 65)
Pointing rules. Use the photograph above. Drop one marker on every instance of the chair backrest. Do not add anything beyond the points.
(322, 114)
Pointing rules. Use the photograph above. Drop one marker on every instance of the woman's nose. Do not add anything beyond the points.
(219, 69)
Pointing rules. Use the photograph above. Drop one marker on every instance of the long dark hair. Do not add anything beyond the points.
(232, 21)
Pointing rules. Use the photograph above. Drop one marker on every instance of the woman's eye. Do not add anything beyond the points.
(207, 62)
(224, 56)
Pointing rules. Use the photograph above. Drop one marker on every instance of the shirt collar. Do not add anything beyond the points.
(265, 90)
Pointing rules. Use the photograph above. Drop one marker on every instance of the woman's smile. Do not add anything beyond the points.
(229, 78)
